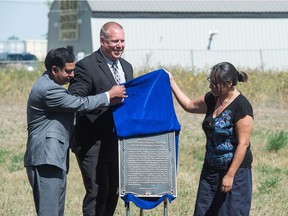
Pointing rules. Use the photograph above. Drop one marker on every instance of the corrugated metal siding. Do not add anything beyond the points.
(203, 6)
(185, 41)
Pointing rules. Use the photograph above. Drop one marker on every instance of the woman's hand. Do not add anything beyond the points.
(227, 183)
(170, 75)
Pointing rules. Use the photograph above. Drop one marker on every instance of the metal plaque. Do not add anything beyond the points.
(147, 165)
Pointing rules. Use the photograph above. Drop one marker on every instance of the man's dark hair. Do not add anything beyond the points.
(58, 57)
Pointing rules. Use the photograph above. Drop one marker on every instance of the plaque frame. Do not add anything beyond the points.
(147, 165)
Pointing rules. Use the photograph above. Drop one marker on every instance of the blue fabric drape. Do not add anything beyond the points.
(146, 204)
(149, 107)
(148, 110)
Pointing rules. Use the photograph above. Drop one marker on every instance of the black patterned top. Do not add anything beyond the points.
(221, 139)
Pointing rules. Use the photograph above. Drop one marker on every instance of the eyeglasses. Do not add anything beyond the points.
(69, 71)
(214, 85)
(66, 70)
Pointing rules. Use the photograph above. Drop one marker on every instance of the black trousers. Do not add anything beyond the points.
(99, 168)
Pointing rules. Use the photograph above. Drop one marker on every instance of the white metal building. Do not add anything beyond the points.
(190, 33)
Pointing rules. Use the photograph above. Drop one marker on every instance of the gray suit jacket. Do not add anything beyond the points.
(50, 115)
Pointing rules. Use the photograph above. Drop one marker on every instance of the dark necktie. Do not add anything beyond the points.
(116, 72)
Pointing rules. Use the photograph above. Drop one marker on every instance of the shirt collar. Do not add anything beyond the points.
(108, 61)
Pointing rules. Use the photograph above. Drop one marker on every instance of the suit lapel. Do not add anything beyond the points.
(104, 67)
(127, 71)
(106, 70)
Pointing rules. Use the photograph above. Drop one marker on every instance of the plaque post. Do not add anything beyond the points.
(127, 209)
(165, 207)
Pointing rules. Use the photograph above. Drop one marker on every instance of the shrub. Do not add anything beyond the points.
(277, 141)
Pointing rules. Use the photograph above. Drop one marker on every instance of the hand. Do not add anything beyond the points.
(117, 94)
(227, 183)
(170, 75)
(171, 78)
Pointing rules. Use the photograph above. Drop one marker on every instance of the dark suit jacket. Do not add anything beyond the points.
(50, 115)
(93, 76)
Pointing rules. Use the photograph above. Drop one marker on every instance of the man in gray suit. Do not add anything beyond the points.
(50, 115)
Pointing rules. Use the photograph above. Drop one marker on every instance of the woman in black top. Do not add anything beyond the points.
(225, 186)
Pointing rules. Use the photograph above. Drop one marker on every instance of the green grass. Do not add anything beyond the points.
(277, 141)
(267, 92)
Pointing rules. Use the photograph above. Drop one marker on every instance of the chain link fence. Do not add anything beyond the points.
(263, 59)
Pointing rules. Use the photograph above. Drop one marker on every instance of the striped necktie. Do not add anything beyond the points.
(116, 72)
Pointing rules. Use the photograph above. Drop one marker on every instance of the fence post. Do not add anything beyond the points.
(192, 59)
(261, 60)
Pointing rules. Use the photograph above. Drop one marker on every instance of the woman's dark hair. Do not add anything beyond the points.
(58, 57)
(225, 71)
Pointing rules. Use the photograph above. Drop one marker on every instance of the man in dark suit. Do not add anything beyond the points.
(95, 141)
(50, 115)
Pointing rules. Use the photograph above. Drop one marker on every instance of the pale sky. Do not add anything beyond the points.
(25, 19)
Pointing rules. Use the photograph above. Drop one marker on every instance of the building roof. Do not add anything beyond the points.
(189, 8)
